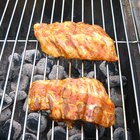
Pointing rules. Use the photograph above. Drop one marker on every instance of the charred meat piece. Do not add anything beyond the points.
(75, 41)
(73, 99)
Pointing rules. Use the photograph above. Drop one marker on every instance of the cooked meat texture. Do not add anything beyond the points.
(75, 41)
(73, 99)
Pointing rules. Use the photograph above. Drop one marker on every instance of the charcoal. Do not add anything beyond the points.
(119, 117)
(41, 66)
(62, 124)
(89, 128)
(29, 136)
(27, 69)
(75, 137)
(61, 72)
(59, 133)
(112, 68)
(29, 55)
(38, 77)
(16, 130)
(90, 74)
(7, 100)
(119, 134)
(24, 81)
(16, 61)
(116, 97)
(21, 95)
(5, 115)
(115, 80)
(25, 104)
(73, 131)
(32, 122)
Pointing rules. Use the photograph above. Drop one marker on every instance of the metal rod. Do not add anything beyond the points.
(134, 24)
(18, 82)
(9, 26)
(4, 12)
(9, 67)
(26, 112)
(119, 66)
(108, 81)
(131, 66)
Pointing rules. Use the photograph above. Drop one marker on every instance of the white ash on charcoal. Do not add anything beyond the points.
(27, 69)
(16, 130)
(119, 134)
(61, 72)
(21, 95)
(74, 130)
(7, 100)
(113, 70)
(89, 128)
(41, 66)
(115, 81)
(5, 115)
(16, 61)
(32, 122)
(90, 74)
(2, 75)
(38, 77)
(119, 122)
(29, 136)
(75, 137)
(23, 85)
(116, 97)
(30, 54)
(59, 133)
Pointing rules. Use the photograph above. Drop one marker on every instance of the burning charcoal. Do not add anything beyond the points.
(75, 137)
(119, 117)
(115, 80)
(116, 96)
(38, 77)
(7, 100)
(29, 56)
(21, 95)
(16, 61)
(5, 115)
(119, 134)
(27, 69)
(32, 122)
(59, 133)
(24, 81)
(16, 130)
(90, 74)
(29, 136)
(89, 128)
(112, 68)
(73, 131)
(61, 72)
(41, 66)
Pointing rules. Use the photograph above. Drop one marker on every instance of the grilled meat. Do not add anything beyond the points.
(75, 41)
(73, 99)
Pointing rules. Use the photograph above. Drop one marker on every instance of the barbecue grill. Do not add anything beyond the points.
(16, 36)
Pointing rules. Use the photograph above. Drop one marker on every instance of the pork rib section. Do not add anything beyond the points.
(75, 41)
(73, 99)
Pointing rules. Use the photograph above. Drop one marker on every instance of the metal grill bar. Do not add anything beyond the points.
(131, 66)
(4, 12)
(18, 82)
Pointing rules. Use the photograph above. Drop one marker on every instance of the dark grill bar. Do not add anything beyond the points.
(93, 12)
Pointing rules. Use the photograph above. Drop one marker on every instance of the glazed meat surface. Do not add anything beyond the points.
(73, 99)
(75, 41)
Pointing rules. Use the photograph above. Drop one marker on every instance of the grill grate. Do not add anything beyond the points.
(28, 39)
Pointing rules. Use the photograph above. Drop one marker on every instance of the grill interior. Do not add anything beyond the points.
(16, 36)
